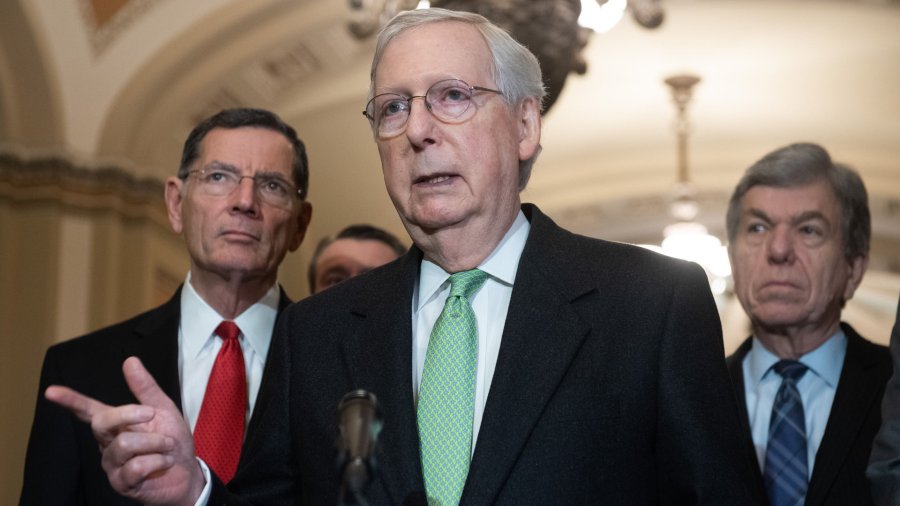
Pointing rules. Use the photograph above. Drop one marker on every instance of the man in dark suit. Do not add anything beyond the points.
(884, 465)
(809, 385)
(562, 369)
(237, 233)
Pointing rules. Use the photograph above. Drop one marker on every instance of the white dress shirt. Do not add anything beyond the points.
(490, 305)
(817, 388)
(198, 346)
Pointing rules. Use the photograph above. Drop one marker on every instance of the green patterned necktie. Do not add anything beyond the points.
(447, 393)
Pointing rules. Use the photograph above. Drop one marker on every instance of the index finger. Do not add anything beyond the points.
(80, 405)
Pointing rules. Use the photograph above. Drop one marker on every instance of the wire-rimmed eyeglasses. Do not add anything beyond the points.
(271, 189)
(449, 100)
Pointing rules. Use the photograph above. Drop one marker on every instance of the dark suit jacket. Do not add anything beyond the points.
(839, 470)
(610, 386)
(62, 464)
(884, 467)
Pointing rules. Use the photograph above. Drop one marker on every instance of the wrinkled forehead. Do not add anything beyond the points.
(802, 199)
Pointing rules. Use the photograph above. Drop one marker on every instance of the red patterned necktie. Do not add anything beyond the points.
(220, 427)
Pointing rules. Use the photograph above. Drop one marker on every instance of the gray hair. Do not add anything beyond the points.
(800, 164)
(516, 71)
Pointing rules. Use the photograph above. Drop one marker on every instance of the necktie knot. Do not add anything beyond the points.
(790, 370)
(228, 330)
(466, 283)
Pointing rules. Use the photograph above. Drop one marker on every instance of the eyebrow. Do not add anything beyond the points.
(334, 269)
(398, 90)
(794, 220)
(217, 165)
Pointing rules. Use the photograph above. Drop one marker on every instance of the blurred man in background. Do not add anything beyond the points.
(354, 250)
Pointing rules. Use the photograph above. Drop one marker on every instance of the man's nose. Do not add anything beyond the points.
(781, 245)
(420, 120)
(245, 195)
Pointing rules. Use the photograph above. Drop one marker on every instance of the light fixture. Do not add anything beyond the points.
(686, 238)
(601, 18)
(602, 15)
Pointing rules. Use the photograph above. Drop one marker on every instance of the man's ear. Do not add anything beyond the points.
(529, 118)
(174, 199)
(858, 267)
(303, 218)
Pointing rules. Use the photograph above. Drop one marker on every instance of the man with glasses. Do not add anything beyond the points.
(239, 201)
(514, 362)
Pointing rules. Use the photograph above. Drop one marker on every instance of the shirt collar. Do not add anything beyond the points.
(826, 361)
(501, 265)
(256, 322)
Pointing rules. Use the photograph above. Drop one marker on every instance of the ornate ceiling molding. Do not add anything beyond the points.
(105, 20)
(55, 180)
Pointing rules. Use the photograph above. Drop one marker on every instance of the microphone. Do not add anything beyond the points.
(360, 424)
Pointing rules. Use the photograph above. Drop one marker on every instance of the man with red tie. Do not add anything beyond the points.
(239, 200)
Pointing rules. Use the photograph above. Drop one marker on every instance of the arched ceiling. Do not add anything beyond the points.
(123, 81)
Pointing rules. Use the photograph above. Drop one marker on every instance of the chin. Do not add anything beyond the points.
(436, 219)
(780, 318)
(241, 263)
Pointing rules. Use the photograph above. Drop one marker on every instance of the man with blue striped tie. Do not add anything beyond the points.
(799, 230)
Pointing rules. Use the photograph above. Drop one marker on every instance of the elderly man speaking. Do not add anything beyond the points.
(515, 362)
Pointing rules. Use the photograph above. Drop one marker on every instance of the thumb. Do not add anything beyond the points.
(143, 386)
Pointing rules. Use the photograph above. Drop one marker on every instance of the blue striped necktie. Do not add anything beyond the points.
(787, 471)
(447, 393)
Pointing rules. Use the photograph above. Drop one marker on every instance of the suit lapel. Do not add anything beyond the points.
(379, 357)
(283, 302)
(155, 342)
(857, 391)
(542, 335)
(736, 374)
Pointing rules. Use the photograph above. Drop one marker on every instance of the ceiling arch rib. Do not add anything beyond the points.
(252, 59)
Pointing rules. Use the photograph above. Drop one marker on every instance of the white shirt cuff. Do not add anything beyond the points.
(207, 488)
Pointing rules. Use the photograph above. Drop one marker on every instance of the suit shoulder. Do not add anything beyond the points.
(737, 358)
(104, 336)
(864, 347)
(637, 264)
(880, 357)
